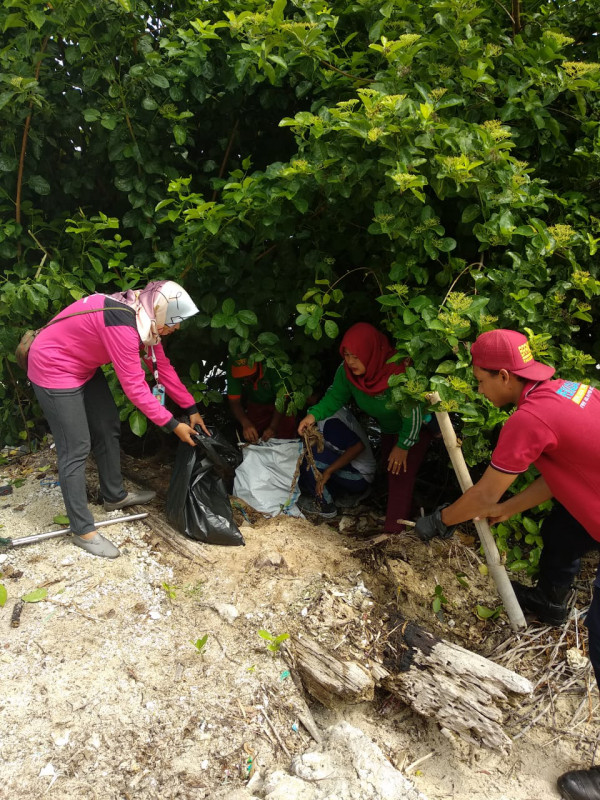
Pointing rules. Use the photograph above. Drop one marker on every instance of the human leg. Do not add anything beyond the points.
(401, 486)
(584, 784)
(65, 411)
(105, 429)
(565, 542)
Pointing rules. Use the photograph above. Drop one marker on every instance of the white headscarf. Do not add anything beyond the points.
(160, 303)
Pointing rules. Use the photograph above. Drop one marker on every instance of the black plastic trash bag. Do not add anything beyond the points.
(197, 503)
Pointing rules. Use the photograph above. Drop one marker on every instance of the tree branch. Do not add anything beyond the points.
(24, 148)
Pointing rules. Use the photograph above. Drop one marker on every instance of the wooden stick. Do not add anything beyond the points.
(492, 556)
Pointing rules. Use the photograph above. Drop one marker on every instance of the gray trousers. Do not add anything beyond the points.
(83, 419)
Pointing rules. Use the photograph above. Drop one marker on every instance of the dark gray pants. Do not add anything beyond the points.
(83, 419)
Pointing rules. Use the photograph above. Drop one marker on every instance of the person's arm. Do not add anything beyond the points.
(481, 500)
(338, 394)
(345, 458)
(249, 431)
(176, 390)
(534, 495)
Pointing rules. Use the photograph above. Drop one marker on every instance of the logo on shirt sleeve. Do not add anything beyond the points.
(577, 392)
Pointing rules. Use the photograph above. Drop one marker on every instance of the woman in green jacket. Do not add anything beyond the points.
(363, 377)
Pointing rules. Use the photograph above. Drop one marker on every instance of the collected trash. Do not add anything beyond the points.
(197, 502)
(268, 478)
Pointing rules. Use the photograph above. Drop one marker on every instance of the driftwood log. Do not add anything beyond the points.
(462, 691)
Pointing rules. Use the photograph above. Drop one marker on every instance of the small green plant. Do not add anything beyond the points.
(462, 579)
(438, 600)
(485, 613)
(194, 589)
(200, 643)
(170, 590)
(60, 519)
(274, 642)
(36, 596)
(3, 595)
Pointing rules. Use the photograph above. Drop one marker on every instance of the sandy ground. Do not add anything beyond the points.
(104, 693)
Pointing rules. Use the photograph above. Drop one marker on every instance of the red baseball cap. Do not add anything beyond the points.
(509, 350)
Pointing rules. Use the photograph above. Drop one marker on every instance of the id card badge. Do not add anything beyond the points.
(159, 392)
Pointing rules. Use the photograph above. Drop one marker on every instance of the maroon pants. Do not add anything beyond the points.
(261, 414)
(400, 487)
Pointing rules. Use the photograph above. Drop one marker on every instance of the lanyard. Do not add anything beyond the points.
(158, 390)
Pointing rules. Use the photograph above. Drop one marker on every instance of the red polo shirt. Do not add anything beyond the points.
(556, 427)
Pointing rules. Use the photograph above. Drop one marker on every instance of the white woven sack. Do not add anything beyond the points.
(264, 479)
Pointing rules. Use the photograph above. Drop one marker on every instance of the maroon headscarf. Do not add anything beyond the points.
(373, 348)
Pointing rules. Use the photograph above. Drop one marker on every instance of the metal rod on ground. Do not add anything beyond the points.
(492, 556)
(40, 537)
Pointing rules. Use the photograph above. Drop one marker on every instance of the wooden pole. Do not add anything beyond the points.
(492, 556)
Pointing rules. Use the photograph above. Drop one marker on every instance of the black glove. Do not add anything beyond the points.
(430, 526)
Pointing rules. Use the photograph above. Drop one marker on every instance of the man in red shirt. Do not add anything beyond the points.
(555, 427)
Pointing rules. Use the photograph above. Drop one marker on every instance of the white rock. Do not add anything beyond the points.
(228, 612)
(47, 772)
(62, 738)
(575, 659)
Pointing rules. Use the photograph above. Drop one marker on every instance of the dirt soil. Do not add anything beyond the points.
(105, 694)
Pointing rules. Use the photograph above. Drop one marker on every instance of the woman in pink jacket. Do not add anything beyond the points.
(64, 369)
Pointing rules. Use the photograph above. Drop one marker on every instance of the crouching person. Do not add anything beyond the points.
(346, 463)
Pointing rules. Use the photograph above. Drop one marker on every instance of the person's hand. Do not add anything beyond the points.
(432, 525)
(196, 419)
(499, 516)
(268, 433)
(250, 433)
(325, 476)
(305, 423)
(397, 460)
(186, 433)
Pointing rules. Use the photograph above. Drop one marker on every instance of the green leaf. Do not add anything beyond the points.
(483, 612)
(138, 422)
(91, 114)
(331, 328)
(159, 80)
(208, 303)
(180, 134)
(39, 184)
(247, 317)
(109, 121)
(470, 213)
(267, 339)
(3, 595)
(228, 307)
(149, 103)
(530, 525)
(60, 519)
(35, 596)
(13, 21)
(516, 566)
(91, 76)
